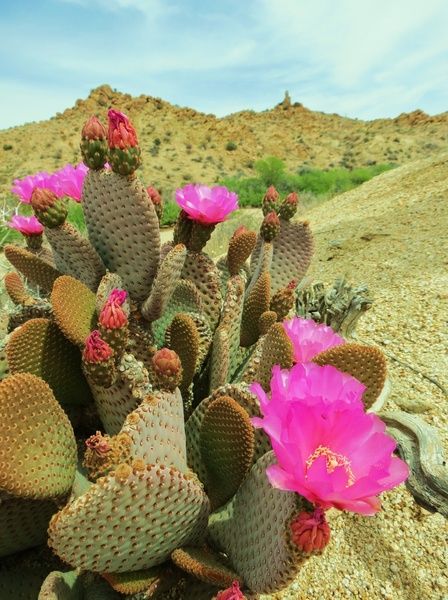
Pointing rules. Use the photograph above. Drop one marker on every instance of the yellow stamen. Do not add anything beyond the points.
(333, 461)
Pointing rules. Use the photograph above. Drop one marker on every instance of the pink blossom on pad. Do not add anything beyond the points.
(310, 338)
(206, 205)
(26, 225)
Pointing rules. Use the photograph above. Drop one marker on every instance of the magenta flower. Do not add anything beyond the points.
(26, 225)
(206, 205)
(67, 181)
(70, 180)
(327, 448)
(310, 338)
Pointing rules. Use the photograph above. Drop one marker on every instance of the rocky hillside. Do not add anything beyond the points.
(181, 144)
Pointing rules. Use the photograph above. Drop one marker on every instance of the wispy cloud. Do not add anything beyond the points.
(364, 58)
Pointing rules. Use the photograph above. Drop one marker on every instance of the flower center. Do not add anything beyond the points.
(333, 461)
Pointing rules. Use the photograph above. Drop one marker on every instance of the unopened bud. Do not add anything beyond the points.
(310, 531)
(270, 226)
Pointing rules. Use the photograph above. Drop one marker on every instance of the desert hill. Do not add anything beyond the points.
(181, 144)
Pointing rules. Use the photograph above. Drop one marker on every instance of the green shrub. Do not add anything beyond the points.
(271, 170)
(230, 146)
(170, 212)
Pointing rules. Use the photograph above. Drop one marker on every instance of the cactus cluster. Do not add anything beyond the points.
(127, 444)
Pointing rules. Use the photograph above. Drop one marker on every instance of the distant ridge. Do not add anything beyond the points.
(182, 144)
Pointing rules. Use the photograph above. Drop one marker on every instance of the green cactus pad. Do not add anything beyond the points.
(157, 432)
(130, 520)
(35, 269)
(253, 531)
(39, 348)
(124, 229)
(165, 283)
(240, 248)
(185, 299)
(37, 444)
(206, 565)
(365, 363)
(74, 309)
(227, 447)
(224, 358)
(62, 586)
(277, 349)
(201, 270)
(75, 255)
(135, 582)
(183, 338)
(23, 523)
(293, 251)
(193, 426)
(256, 303)
(21, 575)
(117, 401)
(16, 289)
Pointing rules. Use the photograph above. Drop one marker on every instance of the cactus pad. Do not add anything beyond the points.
(35, 269)
(277, 349)
(253, 531)
(206, 565)
(227, 448)
(201, 270)
(74, 308)
(39, 348)
(124, 229)
(75, 255)
(183, 338)
(156, 430)
(365, 363)
(257, 302)
(16, 289)
(37, 444)
(130, 520)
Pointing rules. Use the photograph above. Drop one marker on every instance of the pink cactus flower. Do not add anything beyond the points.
(231, 593)
(121, 132)
(70, 180)
(118, 296)
(310, 338)
(112, 315)
(206, 205)
(96, 350)
(28, 226)
(98, 443)
(327, 448)
(67, 181)
(23, 188)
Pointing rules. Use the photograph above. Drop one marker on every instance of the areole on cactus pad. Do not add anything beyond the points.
(204, 428)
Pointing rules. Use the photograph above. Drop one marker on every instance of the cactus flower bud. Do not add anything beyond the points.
(93, 129)
(50, 210)
(112, 315)
(310, 531)
(96, 350)
(288, 207)
(270, 200)
(124, 151)
(99, 443)
(270, 226)
(94, 143)
(167, 369)
(283, 300)
(118, 296)
(231, 593)
(156, 199)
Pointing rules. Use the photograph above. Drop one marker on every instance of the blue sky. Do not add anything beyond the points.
(359, 58)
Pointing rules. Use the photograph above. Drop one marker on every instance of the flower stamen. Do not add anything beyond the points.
(333, 461)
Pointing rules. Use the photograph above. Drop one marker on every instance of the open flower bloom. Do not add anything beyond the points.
(26, 225)
(70, 180)
(327, 448)
(67, 181)
(206, 205)
(310, 338)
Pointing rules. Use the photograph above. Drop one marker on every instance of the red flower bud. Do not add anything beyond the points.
(118, 296)
(121, 132)
(112, 316)
(271, 194)
(310, 531)
(232, 593)
(96, 350)
(292, 198)
(43, 199)
(270, 226)
(98, 443)
(154, 194)
(93, 129)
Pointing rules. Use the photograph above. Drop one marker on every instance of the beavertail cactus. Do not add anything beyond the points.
(171, 428)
